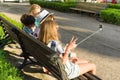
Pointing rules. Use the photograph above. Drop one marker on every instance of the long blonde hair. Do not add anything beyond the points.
(33, 7)
(48, 31)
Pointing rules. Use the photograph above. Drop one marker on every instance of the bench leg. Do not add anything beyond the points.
(3, 42)
(23, 64)
(25, 61)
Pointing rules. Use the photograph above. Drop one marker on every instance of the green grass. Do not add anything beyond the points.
(7, 71)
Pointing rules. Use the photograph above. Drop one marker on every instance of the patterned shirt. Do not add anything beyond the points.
(28, 30)
(56, 46)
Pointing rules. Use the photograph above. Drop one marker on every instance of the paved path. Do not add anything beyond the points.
(102, 49)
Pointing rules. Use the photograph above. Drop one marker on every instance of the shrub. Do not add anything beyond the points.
(111, 16)
(7, 71)
(115, 6)
(17, 24)
(64, 7)
(1, 33)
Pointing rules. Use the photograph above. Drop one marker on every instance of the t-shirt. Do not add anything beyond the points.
(37, 22)
(56, 46)
(28, 30)
(33, 32)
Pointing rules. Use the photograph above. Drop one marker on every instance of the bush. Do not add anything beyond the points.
(111, 16)
(115, 6)
(7, 71)
(64, 7)
(1, 33)
(17, 24)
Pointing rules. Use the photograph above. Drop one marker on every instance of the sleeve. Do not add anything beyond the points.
(59, 48)
(36, 32)
(28, 31)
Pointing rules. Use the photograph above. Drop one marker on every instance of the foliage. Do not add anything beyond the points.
(64, 7)
(115, 6)
(59, 0)
(1, 33)
(17, 24)
(111, 16)
(7, 71)
(71, 0)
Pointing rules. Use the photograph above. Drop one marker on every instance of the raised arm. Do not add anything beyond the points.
(71, 45)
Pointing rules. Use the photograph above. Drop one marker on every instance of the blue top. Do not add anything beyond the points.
(36, 22)
(28, 30)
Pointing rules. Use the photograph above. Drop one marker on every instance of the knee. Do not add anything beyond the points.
(93, 66)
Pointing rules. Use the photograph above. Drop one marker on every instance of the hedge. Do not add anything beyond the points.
(115, 6)
(111, 16)
(63, 7)
(17, 24)
(7, 71)
(1, 33)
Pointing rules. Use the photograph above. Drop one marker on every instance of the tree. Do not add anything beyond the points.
(62, 0)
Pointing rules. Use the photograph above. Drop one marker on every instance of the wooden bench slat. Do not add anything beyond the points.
(83, 10)
(81, 77)
(91, 76)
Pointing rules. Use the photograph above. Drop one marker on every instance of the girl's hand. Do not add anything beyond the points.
(72, 44)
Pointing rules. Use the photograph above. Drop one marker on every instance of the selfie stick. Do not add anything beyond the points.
(100, 29)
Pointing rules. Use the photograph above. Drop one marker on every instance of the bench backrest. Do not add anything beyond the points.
(7, 28)
(91, 6)
(44, 55)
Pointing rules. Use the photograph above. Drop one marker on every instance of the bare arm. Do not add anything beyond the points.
(71, 45)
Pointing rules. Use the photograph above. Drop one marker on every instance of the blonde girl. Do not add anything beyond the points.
(35, 10)
(49, 36)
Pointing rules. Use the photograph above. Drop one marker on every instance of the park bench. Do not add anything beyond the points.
(89, 7)
(43, 55)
